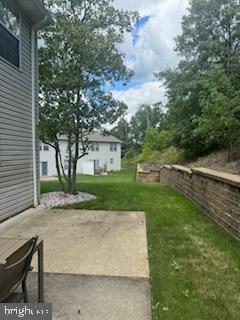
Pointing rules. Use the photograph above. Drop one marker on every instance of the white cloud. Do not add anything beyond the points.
(149, 92)
(155, 49)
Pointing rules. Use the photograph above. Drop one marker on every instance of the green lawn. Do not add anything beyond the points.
(195, 266)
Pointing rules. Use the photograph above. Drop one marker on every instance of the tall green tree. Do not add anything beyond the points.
(183, 88)
(79, 57)
(123, 132)
(211, 35)
(154, 141)
(219, 121)
(210, 41)
(147, 116)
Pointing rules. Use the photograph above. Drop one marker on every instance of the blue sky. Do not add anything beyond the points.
(137, 28)
(135, 36)
(149, 48)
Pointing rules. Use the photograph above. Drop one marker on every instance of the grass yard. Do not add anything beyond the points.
(195, 266)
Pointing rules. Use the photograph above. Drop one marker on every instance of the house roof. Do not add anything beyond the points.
(36, 11)
(99, 137)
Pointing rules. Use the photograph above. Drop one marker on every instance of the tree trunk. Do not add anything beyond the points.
(74, 177)
(61, 183)
(71, 188)
(69, 151)
(68, 182)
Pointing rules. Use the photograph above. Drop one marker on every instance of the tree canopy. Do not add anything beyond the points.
(147, 116)
(79, 58)
(123, 132)
(202, 91)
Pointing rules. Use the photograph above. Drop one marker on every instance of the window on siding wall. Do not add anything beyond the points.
(113, 147)
(46, 148)
(94, 146)
(111, 161)
(9, 32)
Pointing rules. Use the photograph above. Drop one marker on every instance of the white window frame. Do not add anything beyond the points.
(113, 146)
(95, 146)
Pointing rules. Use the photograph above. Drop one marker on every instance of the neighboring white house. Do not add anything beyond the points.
(104, 154)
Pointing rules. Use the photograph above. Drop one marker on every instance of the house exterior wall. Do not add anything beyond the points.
(48, 157)
(16, 140)
(104, 155)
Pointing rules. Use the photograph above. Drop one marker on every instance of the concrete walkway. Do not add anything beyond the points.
(96, 262)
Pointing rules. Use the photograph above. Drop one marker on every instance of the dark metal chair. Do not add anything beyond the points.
(14, 273)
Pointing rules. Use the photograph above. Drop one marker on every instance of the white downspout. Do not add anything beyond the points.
(33, 66)
(35, 182)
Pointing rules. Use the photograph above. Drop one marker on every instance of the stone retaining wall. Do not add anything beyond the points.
(216, 193)
(148, 173)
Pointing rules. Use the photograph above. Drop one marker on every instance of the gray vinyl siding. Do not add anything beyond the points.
(16, 154)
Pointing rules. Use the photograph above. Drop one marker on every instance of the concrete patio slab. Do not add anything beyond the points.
(96, 262)
(86, 242)
(79, 297)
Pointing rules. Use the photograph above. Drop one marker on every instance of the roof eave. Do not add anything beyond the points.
(36, 11)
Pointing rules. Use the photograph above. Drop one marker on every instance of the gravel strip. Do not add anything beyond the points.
(56, 199)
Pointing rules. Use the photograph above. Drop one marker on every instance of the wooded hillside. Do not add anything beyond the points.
(203, 109)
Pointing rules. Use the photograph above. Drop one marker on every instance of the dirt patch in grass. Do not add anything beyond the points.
(211, 254)
(218, 161)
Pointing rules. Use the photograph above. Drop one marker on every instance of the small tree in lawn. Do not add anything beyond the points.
(80, 57)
